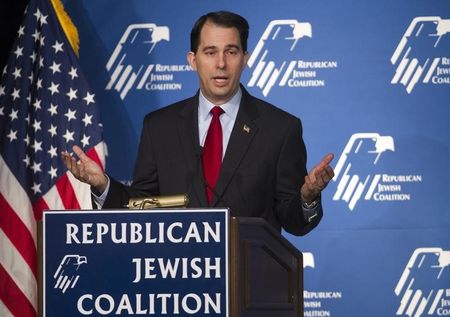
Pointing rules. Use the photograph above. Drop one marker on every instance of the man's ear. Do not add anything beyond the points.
(191, 60)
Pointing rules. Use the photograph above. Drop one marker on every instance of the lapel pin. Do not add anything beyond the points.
(246, 128)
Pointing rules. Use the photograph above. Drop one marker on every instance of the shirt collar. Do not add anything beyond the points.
(230, 108)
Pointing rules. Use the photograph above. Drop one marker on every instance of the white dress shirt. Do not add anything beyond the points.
(227, 118)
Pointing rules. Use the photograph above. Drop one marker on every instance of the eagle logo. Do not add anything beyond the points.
(268, 60)
(67, 273)
(424, 282)
(361, 151)
(420, 51)
(127, 65)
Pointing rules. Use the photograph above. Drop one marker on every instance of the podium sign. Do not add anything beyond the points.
(159, 263)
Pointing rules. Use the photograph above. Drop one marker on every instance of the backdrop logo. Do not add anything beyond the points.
(129, 66)
(308, 260)
(358, 175)
(423, 53)
(423, 287)
(318, 302)
(274, 60)
(352, 183)
(67, 273)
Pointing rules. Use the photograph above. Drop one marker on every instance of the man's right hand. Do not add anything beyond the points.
(85, 169)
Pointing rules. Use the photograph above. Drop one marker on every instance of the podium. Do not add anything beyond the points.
(262, 275)
(266, 271)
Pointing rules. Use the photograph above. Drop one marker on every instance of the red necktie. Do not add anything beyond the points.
(212, 153)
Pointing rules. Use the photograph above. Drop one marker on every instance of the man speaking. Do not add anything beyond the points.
(223, 147)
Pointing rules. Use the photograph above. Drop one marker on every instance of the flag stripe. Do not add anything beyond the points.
(16, 232)
(82, 192)
(39, 206)
(17, 272)
(67, 193)
(52, 200)
(4, 311)
(13, 298)
(17, 198)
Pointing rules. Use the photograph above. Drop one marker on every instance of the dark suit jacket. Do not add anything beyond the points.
(262, 170)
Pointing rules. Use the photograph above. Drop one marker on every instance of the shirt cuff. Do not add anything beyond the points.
(100, 200)
(310, 213)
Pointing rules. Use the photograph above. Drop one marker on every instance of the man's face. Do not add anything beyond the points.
(219, 62)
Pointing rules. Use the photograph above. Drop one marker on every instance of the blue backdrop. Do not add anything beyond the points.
(370, 82)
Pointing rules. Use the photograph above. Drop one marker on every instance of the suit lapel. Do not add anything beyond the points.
(188, 135)
(244, 130)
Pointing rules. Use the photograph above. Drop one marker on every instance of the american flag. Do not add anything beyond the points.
(45, 108)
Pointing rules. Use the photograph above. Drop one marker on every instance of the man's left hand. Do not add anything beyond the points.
(317, 179)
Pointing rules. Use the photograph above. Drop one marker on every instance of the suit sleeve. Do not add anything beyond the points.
(290, 176)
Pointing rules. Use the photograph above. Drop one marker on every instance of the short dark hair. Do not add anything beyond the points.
(221, 18)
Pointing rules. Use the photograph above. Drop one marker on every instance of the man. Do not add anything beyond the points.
(247, 154)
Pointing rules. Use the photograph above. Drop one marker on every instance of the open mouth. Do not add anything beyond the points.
(220, 80)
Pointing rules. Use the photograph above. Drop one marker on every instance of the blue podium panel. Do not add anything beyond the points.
(158, 263)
